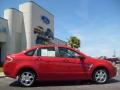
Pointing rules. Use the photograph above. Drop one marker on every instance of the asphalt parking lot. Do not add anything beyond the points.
(113, 84)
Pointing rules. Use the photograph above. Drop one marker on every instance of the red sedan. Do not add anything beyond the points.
(56, 63)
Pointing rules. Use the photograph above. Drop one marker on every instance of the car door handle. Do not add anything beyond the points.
(65, 61)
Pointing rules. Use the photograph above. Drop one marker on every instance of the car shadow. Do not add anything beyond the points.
(113, 81)
(61, 83)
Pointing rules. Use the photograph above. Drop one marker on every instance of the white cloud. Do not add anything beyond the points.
(97, 44)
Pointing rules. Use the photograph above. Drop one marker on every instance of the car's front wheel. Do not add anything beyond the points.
(100, 76)
(26, 78)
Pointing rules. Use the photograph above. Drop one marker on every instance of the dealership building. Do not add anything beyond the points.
(24, 27)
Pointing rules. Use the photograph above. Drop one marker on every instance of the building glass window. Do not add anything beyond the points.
(39, 40)
(49, 33)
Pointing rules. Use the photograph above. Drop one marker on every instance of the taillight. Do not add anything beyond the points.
(9, 59)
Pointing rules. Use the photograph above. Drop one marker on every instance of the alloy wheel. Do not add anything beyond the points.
(26, 78)
(100, 76)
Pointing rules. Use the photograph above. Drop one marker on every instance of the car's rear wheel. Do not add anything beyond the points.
(26, 78)
(100, 76)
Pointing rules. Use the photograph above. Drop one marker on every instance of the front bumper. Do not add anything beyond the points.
(113, 72)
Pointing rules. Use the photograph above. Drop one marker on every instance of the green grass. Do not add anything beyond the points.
(1, 69)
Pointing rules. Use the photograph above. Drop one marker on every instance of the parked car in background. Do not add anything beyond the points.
(53, 62)
(114, 60)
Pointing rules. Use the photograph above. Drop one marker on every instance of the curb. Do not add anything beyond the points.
(2, 75)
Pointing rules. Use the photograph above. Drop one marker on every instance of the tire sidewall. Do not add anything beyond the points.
(19, 78)
(94, 80)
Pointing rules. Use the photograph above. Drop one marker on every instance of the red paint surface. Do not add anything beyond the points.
(56, 68)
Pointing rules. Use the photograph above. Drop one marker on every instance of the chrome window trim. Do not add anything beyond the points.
(35, 53)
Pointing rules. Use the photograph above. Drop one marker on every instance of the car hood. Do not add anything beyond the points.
(96, 60)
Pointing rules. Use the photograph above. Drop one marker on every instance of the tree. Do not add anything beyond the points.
(74, 42)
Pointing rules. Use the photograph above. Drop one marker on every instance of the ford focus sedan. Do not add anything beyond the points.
(56, 63)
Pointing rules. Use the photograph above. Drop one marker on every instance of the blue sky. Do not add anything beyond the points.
(95, 22)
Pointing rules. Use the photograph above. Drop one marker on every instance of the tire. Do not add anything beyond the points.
(26, 78)
(100, 76)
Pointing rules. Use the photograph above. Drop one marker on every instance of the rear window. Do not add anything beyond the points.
(30, 53)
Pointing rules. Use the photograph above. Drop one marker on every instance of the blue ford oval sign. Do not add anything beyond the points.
(45, 19)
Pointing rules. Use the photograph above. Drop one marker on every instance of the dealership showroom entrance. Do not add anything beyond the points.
(2, 52)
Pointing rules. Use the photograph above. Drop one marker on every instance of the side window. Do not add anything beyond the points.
(30, 53)
(64, 52)
(46, 52)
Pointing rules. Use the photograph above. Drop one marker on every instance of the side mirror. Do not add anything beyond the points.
(82, 58)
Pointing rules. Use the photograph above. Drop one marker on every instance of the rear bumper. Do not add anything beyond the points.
(8, 69)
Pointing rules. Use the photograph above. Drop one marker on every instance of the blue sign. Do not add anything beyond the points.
(45, 20)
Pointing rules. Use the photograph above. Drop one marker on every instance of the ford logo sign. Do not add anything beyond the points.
(45, 19)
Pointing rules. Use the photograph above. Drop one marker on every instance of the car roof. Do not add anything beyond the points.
(40, 46)
(62, 46)
(45, 46)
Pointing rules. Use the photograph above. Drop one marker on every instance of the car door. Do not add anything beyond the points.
(50, 66)
(76, 68)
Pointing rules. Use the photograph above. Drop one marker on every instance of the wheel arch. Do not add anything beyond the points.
(26, 69)
(100, 67)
